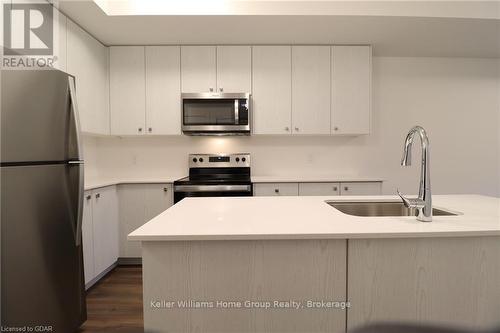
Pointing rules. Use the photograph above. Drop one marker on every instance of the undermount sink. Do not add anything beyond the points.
(380, 208)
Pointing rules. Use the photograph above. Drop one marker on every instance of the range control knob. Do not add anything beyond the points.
(243, 159)
(201, 159)
(237, 159)
(195, 159)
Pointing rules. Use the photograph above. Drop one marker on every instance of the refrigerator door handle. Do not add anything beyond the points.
(79, 210)
(74, 111)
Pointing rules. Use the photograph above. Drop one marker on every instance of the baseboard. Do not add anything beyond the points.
(100, 276)
(129, 261)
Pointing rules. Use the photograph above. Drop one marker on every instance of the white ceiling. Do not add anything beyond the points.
(468, 29)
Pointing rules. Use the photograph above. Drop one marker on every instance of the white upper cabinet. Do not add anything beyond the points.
(88, 61)
(234, 69)
(272, 93)
(198, 68)
(163, 91)
(60, 42)
(127, 89)
(310, 90)
(351, 84)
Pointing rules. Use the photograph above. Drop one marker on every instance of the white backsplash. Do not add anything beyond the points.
(456, 100)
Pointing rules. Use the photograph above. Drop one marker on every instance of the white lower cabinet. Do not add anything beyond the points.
(325, 189)
(110, 214)
(361, 188)
(276, 189)
(99, 231)
(105, 223)
(319, 189)
(139, 203)
(88, 238)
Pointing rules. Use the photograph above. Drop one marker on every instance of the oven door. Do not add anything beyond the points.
(212, 114)
(185, 191)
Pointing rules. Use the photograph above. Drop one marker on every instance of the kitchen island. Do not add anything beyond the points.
(296, 264)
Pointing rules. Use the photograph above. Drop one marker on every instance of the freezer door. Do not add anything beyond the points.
(42, 276)
(39, 122)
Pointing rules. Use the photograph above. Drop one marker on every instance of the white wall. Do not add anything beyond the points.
(456, 100)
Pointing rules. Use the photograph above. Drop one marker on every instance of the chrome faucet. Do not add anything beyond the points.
(423, 204)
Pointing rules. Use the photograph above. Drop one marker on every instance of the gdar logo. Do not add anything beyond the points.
(28, 29)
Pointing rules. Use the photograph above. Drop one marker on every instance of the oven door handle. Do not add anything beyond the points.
(212, 188)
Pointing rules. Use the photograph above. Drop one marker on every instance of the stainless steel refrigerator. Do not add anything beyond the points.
(42, 280)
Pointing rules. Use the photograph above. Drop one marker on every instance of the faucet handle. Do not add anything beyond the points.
(411, 202)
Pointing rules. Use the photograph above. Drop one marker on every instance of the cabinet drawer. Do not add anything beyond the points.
(319, 188)
(276, 189)
(361, 188)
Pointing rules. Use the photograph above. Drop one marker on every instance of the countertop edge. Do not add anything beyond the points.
(99, 184)
(382, 235)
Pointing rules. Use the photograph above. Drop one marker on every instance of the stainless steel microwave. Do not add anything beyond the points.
(216, 114)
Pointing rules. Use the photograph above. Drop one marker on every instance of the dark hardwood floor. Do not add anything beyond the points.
(114, 304)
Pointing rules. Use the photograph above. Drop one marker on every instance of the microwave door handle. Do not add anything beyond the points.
(236, 111)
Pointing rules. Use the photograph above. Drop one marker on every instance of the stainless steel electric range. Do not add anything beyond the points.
(215, 175)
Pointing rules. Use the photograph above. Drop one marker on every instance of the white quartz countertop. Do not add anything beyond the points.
(96, 183)
(313, 179)
(254, 218)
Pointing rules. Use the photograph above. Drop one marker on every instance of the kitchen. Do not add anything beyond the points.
(315, 101)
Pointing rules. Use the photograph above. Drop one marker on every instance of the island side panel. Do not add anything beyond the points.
(446, 281)
(244, 270)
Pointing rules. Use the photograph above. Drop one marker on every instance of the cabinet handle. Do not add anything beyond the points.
(211, 89)
(140, 129)
(98, 195)
(287, 129)
(276, 190)
(296, 129)
(335, 189)
(346, 188)
(221, 89)
(165, 189)
(150, 129)
(88, 197)
(335, 128)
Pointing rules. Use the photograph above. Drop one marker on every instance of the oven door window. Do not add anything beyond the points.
(209, 112)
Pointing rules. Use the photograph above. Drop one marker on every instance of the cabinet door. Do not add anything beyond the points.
(272, 93)
(311, 89)
(276, 189)
(351, 84)
(88, 238)
(362, 188)
(60, 42)
(319, 189)
(105, 224)
(138, 204)
(159, 197)
(234, 69)
(198, 71)
(127, 90)
(163, 90)
(88, 61)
